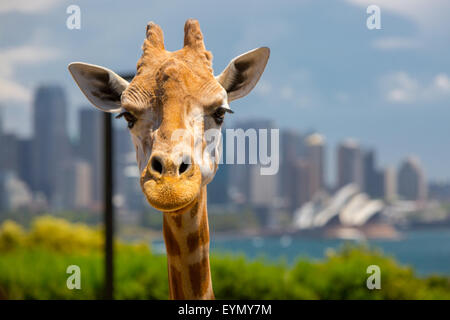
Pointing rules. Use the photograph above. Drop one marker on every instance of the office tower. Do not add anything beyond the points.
(263, 188)
(248, 148)
(390, 184)
(78, 193)
(124, 155)
(90, 148)
(83, 185)
(301, 191)
(373, 178)
(134, 199)
(9, 156)
(315, 145)
(349, 164)
(411, 180)
(291, 147)
(51, 144)
(25, 153)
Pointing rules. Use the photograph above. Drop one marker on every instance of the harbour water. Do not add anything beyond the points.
(427, 251)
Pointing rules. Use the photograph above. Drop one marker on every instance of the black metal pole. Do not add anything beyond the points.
(108, 205)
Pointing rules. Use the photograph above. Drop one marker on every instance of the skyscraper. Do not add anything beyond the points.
(349, 164)
(390, 184)
(301, 192)
(240, 174)
(25, 151)
(373, 178)
(291, 148)
(90, 147)
(411, 180)
(51, 144)
(315, 145)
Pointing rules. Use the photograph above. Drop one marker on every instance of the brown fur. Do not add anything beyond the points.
(199, 274)
(172, 246)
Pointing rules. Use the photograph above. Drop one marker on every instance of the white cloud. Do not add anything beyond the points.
(26, 6)
(10, 90)
(442, 82)
(431, 18)
(287, 93)
(400, 87)
(264, 88)
(425, 13)
(388, 43)
(26, 54)
(10, 59)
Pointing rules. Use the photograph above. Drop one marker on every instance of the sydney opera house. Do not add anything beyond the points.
(349, 213)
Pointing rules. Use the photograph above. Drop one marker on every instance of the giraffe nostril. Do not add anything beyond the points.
(183, 167)
(185, 164)
(157, 165)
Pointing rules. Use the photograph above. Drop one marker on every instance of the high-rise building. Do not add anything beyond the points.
(315, 149)
(240, 174)
(78, 194)
(301, 192)
(373, 178)
(25, 151)
(411, 180)
(291, 148)
(51, 145)
(90, 147)
(349, 164)
(9, 157)
(390, 184)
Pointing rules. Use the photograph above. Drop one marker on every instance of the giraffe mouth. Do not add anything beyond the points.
(183, 209)
(172, 194)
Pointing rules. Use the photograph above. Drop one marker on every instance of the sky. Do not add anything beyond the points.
(388, 88)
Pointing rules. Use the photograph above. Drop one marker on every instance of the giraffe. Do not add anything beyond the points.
(172, 92)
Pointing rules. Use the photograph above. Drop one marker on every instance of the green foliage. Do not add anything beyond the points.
(33, 265)
(11, 235)
(62, 236)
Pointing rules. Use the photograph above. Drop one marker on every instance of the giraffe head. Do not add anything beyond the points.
(174, 107)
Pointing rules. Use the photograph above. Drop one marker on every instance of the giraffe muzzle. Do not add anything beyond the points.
(168, 185)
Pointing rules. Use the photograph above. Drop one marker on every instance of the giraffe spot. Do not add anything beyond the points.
(194, 210)
(176, 284)
(200, 237)
(177, 218)
(199, 275)
(172, 246)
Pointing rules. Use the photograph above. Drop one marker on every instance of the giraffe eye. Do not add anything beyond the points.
(219, 115)
(131, 120)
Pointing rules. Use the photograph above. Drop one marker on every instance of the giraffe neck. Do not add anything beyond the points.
(186, 236)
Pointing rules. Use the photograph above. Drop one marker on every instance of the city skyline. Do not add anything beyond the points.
(388, 87)
(300, 179)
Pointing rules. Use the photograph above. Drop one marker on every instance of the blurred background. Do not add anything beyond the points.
(364, 150)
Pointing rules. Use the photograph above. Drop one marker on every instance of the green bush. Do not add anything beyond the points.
(33, 265)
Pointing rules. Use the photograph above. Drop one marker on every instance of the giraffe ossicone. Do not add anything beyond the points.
(174, 91)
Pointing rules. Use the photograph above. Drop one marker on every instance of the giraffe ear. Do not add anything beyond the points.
(101, 86)
(243, 72)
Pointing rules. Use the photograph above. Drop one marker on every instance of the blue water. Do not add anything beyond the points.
(426, 251)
